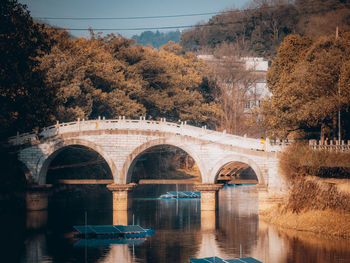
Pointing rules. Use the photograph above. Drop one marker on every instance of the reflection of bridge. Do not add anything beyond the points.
(120, 142)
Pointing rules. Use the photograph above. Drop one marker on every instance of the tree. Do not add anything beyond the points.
(90, 81)
(305, 80)
(25, 101)
(157, 39)
(258, 31)
(173, 83)
(112, 76)
(237, 88)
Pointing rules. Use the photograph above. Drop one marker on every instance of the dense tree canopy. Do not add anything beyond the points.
(46, 75)
(111, 76)
(25, 102)
(310, 83)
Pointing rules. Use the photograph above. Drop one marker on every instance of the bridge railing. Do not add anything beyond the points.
(332, 145)
(142, 124)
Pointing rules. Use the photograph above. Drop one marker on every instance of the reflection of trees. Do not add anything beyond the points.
(307, 247)
(164, 216)
(235, 230)
(238, 220)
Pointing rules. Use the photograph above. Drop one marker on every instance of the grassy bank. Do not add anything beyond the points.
(319, 197)
(325, 222)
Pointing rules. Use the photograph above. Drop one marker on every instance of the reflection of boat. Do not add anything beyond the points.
(99, 242)
(167, 196)
(180, 195)
(219, 260)
(112, 231)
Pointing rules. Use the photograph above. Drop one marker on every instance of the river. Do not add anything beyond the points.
(181, 230)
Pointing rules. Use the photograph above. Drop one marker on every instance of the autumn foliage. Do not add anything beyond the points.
(46, 75)
(309, 80)
(259, 29)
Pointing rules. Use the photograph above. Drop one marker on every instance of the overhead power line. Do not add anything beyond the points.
(148, 28)
(153, 17)
(147, 17)
(126, 29)
(128, 18)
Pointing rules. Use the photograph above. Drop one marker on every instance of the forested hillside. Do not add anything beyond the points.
(157, 39)
(259, 31)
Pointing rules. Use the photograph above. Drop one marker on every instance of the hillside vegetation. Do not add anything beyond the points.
(259, 30)
(157, 39)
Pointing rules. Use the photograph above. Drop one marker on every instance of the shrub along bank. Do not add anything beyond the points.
(319, 195)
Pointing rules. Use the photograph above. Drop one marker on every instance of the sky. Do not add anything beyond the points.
(46, 10)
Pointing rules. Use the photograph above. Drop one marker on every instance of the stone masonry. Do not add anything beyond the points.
(121, 141)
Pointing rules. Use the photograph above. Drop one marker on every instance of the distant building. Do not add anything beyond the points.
(257, 66)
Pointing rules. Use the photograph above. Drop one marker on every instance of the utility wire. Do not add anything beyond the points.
(148, 17)
(125, 29)
(155, 17)
(147, 28)
(128, 18)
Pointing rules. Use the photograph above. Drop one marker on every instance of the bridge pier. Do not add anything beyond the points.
(209, 195)
(120, 192)
(37, 197)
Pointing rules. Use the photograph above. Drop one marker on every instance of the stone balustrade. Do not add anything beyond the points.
(142, 124)
(332, 145)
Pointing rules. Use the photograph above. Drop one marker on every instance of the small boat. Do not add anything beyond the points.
(112, 231)
(180, 195)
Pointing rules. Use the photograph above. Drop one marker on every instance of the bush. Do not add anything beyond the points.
(299, 160)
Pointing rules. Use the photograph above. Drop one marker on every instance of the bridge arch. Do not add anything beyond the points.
(132, 157)
(236, 158)
(55, 149)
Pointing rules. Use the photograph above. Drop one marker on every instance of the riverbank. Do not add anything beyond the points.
(314, 205)
(324, 222)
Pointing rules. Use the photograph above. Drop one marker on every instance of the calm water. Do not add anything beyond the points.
(181, 231)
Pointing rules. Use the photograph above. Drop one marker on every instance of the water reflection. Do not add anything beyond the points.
(118, 253)
(182, 232)
(36, 219)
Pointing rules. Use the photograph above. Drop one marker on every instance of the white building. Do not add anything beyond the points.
(258, 90)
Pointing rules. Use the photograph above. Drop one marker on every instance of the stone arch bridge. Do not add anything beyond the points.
(121, 141)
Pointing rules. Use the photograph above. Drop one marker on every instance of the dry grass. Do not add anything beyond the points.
(311, 193)
(315, 205)
(325, 222)
(319, 201)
